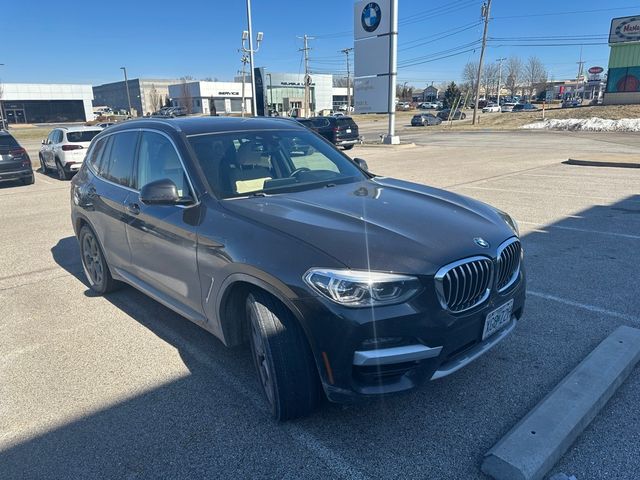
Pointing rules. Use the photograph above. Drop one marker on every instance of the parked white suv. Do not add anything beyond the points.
(64, 149)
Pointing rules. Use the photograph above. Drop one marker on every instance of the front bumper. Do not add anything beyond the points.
(435, 343)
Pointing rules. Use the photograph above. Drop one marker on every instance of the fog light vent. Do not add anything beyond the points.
(382, 342)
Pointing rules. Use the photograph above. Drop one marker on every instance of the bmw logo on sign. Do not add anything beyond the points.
(371, 16)
(481, 242)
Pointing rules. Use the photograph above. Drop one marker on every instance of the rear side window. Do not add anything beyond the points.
(96, 153)
(83, 136)
(118, 166)
(320, 122)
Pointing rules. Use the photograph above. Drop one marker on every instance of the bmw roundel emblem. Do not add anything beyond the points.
(481, 242)
(371, 16)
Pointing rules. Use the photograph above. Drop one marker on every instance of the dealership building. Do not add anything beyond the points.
(147, 94)
(211, 98)
(623, 78)
(46, 103)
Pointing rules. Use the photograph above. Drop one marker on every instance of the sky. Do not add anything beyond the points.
(88, 41)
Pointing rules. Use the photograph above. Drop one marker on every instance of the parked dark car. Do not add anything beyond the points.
(425, 119)
(342, 131)
(572, 103)
(446, 115)
(15, 163)
(261, 232)
(524, 107)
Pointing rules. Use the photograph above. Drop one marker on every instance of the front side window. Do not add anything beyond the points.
(118, 165)
(244, 163)
(158, 160)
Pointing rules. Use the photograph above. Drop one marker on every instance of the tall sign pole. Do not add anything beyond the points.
(391, 137)
(486, 10)
(346, 51)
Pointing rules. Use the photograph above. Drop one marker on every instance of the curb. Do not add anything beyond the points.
(538, 441)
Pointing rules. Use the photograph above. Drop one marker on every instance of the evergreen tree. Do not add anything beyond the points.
(451, 95)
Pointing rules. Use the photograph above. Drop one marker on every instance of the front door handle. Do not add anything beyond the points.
(133, 208)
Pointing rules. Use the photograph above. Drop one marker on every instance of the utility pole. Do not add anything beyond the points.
(2, 125)
(346, 51)
(500, 60)
(486, 9)
(307, 76)
(126, 82)
(244, 61)
(580, 67)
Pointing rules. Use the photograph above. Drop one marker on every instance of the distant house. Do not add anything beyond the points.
(430, 94)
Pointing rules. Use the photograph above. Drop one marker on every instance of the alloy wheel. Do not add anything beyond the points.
(258, 351)
(92, 259)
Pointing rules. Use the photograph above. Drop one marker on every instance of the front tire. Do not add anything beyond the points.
(282, 357)
(43, 166)
(94, 264)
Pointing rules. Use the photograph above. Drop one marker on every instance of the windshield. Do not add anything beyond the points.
(245, 163)
(82, 136)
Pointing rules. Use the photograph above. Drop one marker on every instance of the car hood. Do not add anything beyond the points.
(381, 224)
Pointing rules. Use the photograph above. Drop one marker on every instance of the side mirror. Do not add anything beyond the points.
(44, 141)
(362, 164)
(160, 192)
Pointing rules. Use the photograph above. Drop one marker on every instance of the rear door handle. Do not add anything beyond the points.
(133, 208)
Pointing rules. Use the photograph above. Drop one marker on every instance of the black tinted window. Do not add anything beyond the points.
(118, 166)
(84, 136)
(8, 141)
(345, 122)
(96, 153)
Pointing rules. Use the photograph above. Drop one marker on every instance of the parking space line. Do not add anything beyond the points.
(41, 178)
(543, 193)
(583, 230)
(503, 175)
(585, 306)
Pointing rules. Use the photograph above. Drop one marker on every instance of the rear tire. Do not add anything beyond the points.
(62, 175)
(94, 264)
(348, 147)
(29, 180)
(282, 357)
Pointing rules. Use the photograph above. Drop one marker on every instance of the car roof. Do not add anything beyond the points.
(79, 128)
(200, 125)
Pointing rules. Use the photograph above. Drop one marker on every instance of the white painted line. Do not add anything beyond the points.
(44, 178)
(584, 230)
(585, 306)
(542, 193)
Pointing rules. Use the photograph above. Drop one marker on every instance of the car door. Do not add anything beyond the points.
(163, 238)
(112, 159)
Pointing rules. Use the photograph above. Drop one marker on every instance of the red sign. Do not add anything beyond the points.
(595, 70)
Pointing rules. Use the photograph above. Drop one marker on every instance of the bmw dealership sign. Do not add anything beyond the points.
(371, 43)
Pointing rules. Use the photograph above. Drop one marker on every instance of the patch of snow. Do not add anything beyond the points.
(593, 124)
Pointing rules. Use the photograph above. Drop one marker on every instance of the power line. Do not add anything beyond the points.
(574, 12)
(440, 37)
(442, 52)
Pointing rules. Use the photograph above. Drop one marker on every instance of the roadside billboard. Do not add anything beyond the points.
(625, 30)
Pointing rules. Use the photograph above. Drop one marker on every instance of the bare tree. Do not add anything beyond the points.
(469, 76)
(155, 99)
(185, 94)
(535, 74)
(514, 74)
(489, 78)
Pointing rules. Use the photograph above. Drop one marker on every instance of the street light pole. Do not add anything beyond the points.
(346, 51)
(500, 60)
(248, 34)
(126, 83)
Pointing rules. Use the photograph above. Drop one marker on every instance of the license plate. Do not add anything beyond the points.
(497, 319)
(348, 130)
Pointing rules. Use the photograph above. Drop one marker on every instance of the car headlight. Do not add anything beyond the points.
(513, 225)
(353, 288)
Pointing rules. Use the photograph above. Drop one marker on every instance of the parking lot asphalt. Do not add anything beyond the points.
(121, 387)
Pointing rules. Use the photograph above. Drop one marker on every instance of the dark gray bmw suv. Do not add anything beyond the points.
(344, 284)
